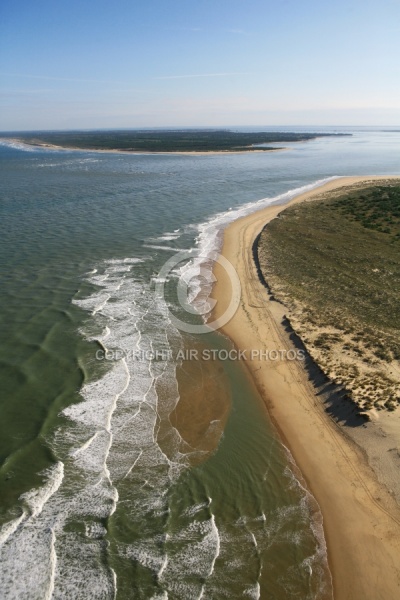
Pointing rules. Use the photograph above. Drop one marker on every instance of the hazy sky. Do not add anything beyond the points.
(149, 63)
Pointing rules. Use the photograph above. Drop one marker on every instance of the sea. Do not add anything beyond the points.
(132, 465)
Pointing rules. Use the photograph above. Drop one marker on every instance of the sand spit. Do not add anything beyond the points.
(351, 481)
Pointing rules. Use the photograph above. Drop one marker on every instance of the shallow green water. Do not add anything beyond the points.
(94, 504)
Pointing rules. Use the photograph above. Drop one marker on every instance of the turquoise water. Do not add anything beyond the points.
(101, 497)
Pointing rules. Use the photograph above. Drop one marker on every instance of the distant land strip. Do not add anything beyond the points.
(183, 140)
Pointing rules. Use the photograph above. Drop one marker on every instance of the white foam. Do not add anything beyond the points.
(312, 508)
(190, 511)
(114, 578)
(36, 499)
(210, 236)
(130, 260)
(120, 435)
(9, 528)
(111, 437)
(163, 567)
(28, 554)
(134, 463)
(157, 247)
(215, 536)
(53, 564)
(122, 408)
(66, 163)
(253, 591)
(17, 145)
(166, 237)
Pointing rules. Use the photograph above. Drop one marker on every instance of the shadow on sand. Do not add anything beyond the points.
(335, 398)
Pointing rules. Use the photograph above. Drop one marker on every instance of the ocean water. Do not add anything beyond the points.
(144, 476)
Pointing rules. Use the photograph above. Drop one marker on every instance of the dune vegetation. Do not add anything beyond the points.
(335, 264)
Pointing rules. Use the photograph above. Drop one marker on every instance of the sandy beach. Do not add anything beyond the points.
(355, 493)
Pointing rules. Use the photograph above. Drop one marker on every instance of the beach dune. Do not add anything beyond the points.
(361, 518)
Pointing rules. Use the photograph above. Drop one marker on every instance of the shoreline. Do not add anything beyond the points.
(361, 517)
(45, 146)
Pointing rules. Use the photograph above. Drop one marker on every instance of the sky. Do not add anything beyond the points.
(85, 64)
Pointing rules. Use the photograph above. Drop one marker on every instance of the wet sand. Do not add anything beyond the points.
(203, 407)
(361, 517)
